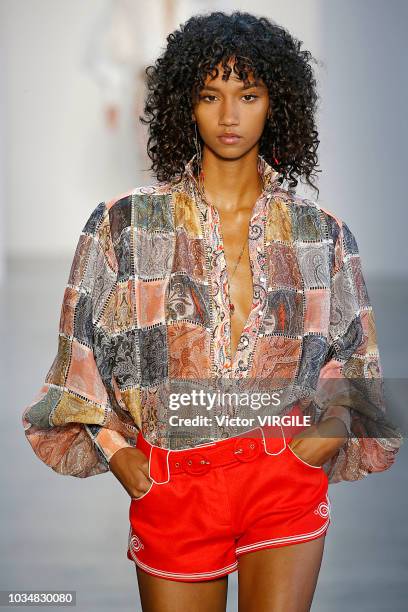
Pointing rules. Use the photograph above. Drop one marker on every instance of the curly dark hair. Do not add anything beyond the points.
(255, 45)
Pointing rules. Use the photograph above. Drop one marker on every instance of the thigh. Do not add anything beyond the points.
(281, 579)
(162, 595)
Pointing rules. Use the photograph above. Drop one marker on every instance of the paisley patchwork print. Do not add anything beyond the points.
(126, 368)
(284, 312)
(283, 267)
(122, 252)
(119, 311)
(189, 351)
(147, 306)
(344, 302)
(279, 222)
(276, 357)
(119, 218)
(153, 213)
(306, 224)
(314, 350)
(153, 354)
(187, 300)
(66, 323)
(80, 259)
(189, 256)
(149, 302)
(313, 260)
(186, 215)
(317, 311)
(153, 253)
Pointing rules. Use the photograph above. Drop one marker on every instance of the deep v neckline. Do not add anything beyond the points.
(227, 293)
(229, 363)
(220, 315)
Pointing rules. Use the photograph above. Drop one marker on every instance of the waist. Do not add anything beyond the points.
(201, 458)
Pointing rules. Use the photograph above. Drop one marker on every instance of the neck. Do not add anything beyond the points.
(231, 185)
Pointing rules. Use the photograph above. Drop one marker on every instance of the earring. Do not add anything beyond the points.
(269, 116)
(274, 155)
(197, 145)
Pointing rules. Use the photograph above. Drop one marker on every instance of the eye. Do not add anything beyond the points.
(203, 97)
(250, 96)
(207, 96)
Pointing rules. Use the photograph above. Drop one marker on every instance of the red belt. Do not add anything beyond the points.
(200, 459)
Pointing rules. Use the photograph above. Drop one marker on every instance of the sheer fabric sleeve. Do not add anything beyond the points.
(76, 422)
(350, 385)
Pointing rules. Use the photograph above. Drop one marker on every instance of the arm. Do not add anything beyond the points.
(72, 424)
(349, 385)
(108, 441)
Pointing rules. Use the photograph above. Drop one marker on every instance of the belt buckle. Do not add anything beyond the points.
(196, 463)
(247, 449)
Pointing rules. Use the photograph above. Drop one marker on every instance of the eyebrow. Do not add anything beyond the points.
(250, 86)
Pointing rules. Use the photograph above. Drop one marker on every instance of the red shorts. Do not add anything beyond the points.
(210, 504)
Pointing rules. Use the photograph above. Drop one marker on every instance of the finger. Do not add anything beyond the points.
(144, 486)
(142, 462)
(144, 467)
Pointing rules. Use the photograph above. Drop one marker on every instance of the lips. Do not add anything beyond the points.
(229, 138)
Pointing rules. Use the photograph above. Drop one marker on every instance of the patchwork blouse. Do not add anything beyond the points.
(147, 302)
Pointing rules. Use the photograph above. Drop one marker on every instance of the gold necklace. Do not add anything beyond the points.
(201, 189)
(231, 305)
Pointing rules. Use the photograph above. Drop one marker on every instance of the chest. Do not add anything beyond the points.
(234, 241)
(178, 301)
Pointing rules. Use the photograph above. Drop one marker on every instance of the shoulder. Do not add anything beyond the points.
(115, 213)
(339, 230)
(335, 227)
(138, 193)
(143, 193)
(302, 207)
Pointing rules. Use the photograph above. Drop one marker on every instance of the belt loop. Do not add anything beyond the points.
(159, 470)
(274, 442)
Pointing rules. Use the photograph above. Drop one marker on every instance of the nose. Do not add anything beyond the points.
(228, 113)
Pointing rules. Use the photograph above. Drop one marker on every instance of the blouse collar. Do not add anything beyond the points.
(268, 174)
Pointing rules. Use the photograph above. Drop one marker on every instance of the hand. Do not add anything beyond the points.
(318, 443)
(131, 467)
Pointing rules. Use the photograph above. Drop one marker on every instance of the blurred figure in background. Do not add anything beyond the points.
(128, 35)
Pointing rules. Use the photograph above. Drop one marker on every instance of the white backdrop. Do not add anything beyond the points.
(60, 160)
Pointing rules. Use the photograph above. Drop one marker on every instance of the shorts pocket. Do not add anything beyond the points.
(301, 461)
(144, 494)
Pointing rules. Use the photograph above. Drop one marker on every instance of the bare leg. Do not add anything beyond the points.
(161, 595)
(280, 579)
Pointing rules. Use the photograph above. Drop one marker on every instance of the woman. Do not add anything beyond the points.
(219, 276)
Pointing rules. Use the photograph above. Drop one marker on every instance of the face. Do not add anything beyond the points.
(231, 107)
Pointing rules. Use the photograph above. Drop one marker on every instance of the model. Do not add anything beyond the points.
(219, 278)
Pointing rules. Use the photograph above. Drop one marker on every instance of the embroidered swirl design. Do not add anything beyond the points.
(136, 543)
(323, 510)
